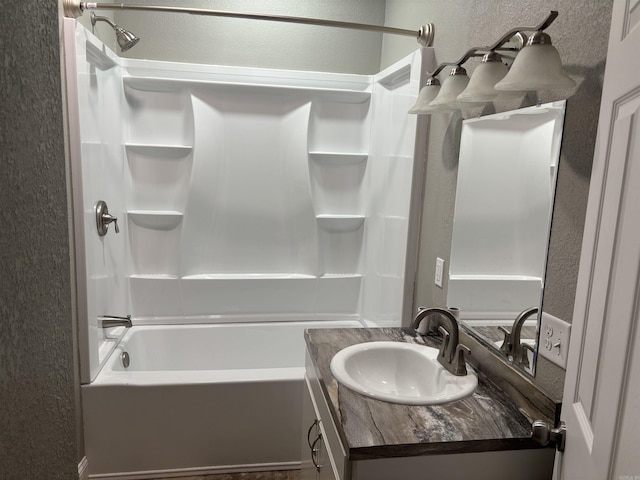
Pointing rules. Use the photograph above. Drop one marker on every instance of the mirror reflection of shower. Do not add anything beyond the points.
(501, 224)
(125, 38)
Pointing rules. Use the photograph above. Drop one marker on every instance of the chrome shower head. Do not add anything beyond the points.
(125, 38)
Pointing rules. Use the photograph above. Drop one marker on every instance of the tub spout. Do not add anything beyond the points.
(108, 321)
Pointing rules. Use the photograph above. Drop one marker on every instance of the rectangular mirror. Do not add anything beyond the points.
(504, 200)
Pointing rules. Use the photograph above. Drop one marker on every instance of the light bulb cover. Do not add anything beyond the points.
(454, 84)
(481, 86)
(426, 95)
(536, 67)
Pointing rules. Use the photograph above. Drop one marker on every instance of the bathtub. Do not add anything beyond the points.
(199, 399)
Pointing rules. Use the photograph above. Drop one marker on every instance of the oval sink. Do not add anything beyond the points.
(397, 372)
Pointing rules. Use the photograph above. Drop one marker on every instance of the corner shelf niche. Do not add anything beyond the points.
(156, 219)
(338, 158)
(340, 223)
(170, 85)
(159, 151)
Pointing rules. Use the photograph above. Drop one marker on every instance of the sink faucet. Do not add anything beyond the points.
(451, 354)
(108, 321)
(511, 345)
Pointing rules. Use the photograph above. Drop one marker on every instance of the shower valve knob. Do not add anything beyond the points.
(104, 218)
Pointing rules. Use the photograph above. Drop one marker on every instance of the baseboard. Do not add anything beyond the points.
(83, 469)
(192, 472)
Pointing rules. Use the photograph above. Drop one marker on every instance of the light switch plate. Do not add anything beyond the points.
(554, 339)
(439, 271)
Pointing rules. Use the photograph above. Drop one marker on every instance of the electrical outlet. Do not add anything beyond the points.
(439, 271)
(554, 339)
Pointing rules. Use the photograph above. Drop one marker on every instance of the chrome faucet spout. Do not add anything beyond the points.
(512, 340)
(451, 352)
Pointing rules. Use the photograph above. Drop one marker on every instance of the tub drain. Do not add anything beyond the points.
(125, 359)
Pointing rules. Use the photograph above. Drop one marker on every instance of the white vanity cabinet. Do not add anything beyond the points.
(325, 456)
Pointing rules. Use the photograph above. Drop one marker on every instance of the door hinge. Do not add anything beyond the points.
(542, 433)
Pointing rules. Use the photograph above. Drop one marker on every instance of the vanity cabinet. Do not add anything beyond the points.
(349, 437)
(323, 457)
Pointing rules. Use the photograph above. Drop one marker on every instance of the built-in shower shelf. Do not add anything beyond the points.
(160, 151)
(397, 78)
(248, 276)
(337, 158)
(156, 219)
(330, 276)
(396, 157)
(340, 223)
(156, 276)
(150, 84)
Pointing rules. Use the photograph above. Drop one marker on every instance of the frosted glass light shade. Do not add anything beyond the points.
(536, 67)
(481, 86)
(446, 101)
(426, 95)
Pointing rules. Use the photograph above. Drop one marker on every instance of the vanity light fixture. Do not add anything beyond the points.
(537, 66)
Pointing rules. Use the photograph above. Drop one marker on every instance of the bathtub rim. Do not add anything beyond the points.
(110, 376)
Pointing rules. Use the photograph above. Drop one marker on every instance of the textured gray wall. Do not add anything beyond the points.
(581, 36)
(37, 375)
(255, 43)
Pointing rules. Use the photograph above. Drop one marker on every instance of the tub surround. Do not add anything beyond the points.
(240, 191)
(486, 421)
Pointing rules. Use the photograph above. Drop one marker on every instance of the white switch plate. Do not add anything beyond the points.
(439, 271)
(554, 339)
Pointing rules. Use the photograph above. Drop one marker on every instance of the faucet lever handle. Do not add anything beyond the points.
(445, 341)
(107, 218)
(104, 218)
(459, 362)
(507, 346)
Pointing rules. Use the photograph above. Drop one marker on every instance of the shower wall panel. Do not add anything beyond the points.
(258, 205)
(94, 94)
(388, 193)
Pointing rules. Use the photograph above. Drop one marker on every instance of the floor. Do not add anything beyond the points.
(281, 475)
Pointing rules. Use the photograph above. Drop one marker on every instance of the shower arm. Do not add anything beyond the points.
(95, 19)
(424, 35)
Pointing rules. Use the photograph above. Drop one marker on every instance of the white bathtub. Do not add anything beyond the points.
(199, 399)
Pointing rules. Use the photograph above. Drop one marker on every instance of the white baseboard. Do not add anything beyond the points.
(83, 469)
(189, 472)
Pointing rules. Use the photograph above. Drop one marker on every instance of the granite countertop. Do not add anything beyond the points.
(488, 420)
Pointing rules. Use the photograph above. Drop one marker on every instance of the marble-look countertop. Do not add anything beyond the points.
(488, 420)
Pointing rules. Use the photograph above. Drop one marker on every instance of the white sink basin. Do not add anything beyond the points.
(398, 372)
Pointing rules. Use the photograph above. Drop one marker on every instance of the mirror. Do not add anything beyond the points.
(502, 219)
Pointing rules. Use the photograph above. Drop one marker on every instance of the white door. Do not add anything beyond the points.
(601, 403)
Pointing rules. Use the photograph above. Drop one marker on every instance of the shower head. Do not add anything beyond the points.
(125, 38)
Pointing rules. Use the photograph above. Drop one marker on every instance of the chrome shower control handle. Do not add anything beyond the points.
(104, 218)
(108, 218)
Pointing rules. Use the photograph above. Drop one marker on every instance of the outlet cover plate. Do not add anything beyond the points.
(554, 339)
